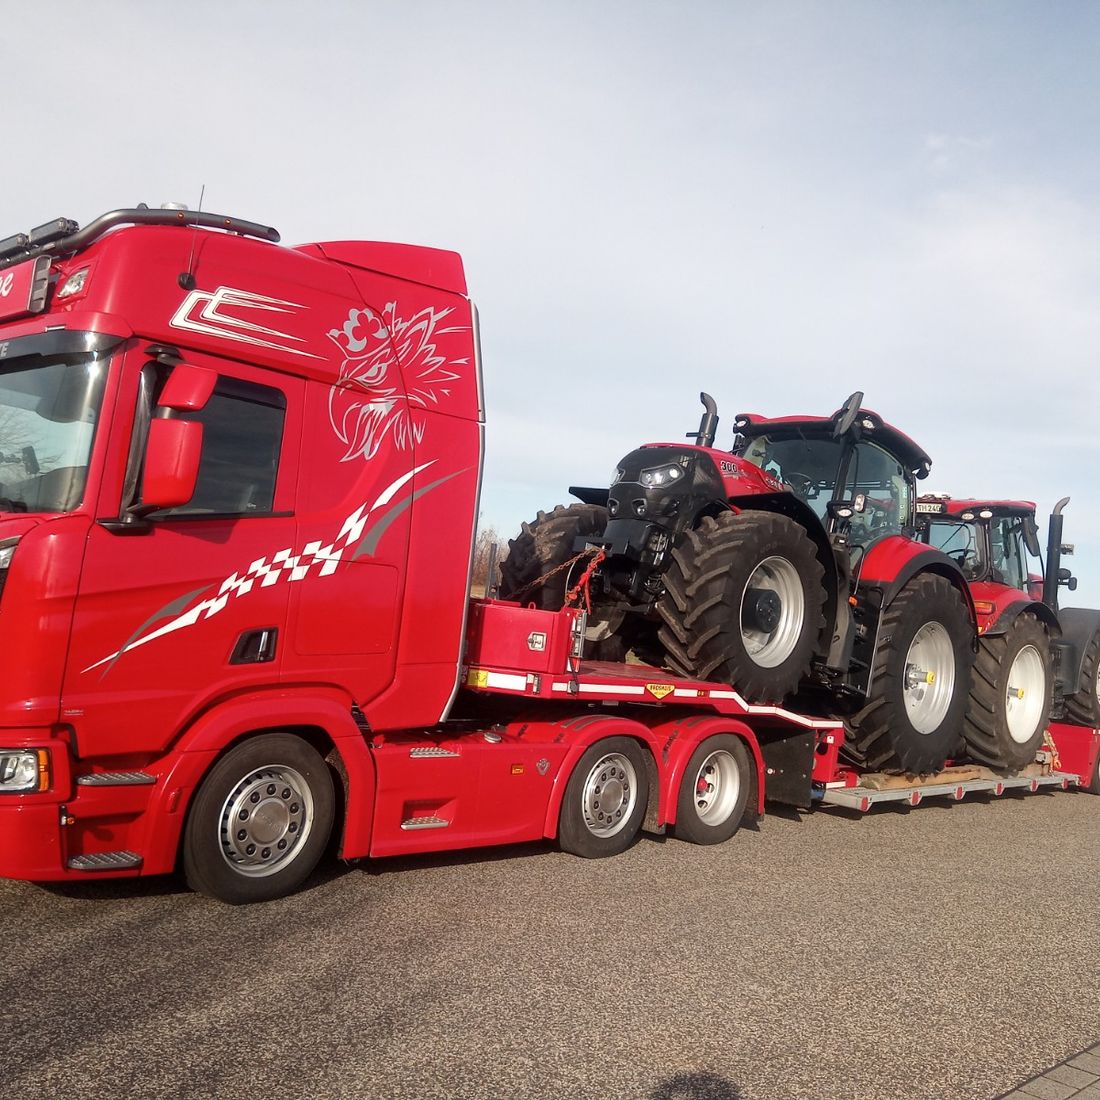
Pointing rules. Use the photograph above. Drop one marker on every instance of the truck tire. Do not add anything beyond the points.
(1083, 707)
(260, 821)
(742, 604)
(718, 781)
(605, 800)
(540, 548)
(1010, 692)
(907, 725)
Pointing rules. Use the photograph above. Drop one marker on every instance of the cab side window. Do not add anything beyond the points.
(242, 434)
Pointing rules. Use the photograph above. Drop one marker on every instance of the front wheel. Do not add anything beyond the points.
(260, 821)
(742, 604)
(1010, 690)
(605, 799)
(913, 719)
(714, 792)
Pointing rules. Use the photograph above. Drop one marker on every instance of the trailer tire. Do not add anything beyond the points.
(715, 790)
(902, 727)
(541, 547)
(1003, 729)
(277, 792)
(742, 604)
(605, 799)
(1083, 707)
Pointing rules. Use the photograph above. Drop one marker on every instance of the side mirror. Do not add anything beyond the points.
(1031, 537)
(1068, 579)
(172, 456)
(846, 416)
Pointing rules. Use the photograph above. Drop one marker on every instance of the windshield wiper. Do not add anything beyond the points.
(9, 505)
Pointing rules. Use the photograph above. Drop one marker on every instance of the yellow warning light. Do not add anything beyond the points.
(517, 769)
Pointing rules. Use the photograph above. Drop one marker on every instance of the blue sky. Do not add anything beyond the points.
(777, 202)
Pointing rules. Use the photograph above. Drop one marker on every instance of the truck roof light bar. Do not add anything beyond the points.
(62, 236)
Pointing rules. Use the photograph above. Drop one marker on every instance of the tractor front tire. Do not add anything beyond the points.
(1083, 707)
(1010, 692)
(742, 604)
(913, 719)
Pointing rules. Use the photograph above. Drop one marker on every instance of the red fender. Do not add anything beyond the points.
(218, 728)
(580, 741)
(679, 738)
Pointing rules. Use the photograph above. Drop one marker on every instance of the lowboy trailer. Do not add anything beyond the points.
(238, 493)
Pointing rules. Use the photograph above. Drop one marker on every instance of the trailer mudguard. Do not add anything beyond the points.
(223, 725)
(1078, 626)
(585, 733)
(679, 738)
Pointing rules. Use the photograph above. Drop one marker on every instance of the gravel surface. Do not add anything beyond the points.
(946, 951)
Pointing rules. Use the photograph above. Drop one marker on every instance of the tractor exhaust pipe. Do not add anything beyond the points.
(1053, 576)
(708, 425)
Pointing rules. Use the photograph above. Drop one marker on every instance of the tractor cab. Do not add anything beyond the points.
(854, 471)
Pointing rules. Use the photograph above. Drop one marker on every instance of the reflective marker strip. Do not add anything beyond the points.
(600, 689)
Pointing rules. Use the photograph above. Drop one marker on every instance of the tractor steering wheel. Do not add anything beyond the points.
(803, 485)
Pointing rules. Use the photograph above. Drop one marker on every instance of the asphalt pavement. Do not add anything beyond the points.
(952, 950)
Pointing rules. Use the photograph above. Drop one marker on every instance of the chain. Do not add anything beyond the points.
(591, 552)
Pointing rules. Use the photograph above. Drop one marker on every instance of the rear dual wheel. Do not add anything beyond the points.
(715, 791)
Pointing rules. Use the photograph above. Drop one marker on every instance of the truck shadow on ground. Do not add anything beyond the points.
(696, 1086)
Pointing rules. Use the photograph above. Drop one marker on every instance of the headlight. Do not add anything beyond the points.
(657, 476)
(24, 770)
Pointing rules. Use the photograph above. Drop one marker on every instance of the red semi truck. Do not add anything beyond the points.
(238, 490)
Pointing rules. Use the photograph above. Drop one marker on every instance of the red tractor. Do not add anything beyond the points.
(1034, 658)
(790, 565)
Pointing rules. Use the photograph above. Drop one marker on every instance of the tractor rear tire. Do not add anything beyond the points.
(541, 547)
(1010, 692)
(909, 725)
(1083, 707)
(742, 604)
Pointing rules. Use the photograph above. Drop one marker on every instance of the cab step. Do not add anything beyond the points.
(115, 779)
(104, 861)
(429, 821)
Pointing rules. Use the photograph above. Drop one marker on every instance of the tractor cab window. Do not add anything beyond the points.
(1008, 552)
(960, 541)
(883, 485)
(809, 467)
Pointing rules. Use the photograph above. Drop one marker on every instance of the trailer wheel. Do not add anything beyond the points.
(742, 604)
(913, 719)
(260, 821)
(715, 791)
(605, 799)
(1083, 707)
(1010, 692)
(542, 546)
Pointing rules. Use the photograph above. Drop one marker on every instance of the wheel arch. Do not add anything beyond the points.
(1078, 625)
(322, 719)
(581, 740)
(680, 737)
(935, 563)
(1024, 606)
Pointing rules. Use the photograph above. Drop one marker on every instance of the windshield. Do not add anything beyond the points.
(49, 407)
(960, 541)
(808, 466)
(874, 481)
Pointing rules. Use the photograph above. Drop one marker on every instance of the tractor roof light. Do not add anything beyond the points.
(985, 513)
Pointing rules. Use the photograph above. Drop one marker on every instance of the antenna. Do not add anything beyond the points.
(187, 279)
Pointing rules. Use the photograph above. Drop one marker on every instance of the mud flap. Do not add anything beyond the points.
(788, 767)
